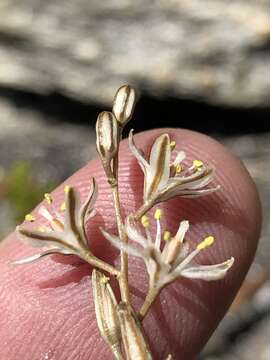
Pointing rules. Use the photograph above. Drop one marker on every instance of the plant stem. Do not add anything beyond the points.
(100, 264)
(123, 279)
(142, 210)
(149, 300)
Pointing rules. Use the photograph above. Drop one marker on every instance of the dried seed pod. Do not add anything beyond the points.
(134, 342)
(123, 104)
(108, 138)
(106, 313)
(107, 135)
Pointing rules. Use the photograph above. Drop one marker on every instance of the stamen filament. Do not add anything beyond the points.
(158, 235)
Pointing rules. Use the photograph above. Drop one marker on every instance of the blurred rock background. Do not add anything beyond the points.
(202, 65)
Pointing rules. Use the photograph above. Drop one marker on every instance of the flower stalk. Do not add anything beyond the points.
(123, 277)
(166, 257)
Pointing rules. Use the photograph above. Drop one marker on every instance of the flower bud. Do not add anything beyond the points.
(107, 136)
(123, 105)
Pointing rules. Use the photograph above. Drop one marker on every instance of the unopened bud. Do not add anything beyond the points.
(107, 135)
(124, 103)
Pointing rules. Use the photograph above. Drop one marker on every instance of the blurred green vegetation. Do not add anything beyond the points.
(20, 188)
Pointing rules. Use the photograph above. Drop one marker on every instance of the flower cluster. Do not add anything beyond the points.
(166, 257)
(65, 235)
(168, 261)
(165, 179)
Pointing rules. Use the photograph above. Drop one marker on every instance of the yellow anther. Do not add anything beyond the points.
(29, 217)
(145, 221)
(208, 241)
(41, 229)
(104, 279)
(172, 145)
(63, 206)
(197, 164)
(166, 236)
(158, 214)
(178, 168)
(66, 189)
(48, 198)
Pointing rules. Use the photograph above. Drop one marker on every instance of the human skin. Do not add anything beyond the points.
(47, 309)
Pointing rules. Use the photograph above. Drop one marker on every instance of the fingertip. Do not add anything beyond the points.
(187, 312)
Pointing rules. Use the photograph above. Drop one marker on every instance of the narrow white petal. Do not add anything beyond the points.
(175, 250)
(183, 254)
(149, 237)
(197, 180)
(174, 191)
(137, 153)
(208, 272)
(198, 193)
(51, 240)
(200, 183)
(181, 155)
(188, 175)
(87, 208)
(43, 211)
(183, 228)
(73, 230)
(36, 257)
(134, 233)
(72, 201)
(56, 222)
(115, 241)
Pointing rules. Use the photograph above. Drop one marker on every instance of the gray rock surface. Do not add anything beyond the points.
(214, 50)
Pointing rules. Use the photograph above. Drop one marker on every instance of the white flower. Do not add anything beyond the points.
(164, 179)
(65, 235)
(174, 260)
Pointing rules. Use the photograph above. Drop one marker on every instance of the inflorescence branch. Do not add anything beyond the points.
(166, 257)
